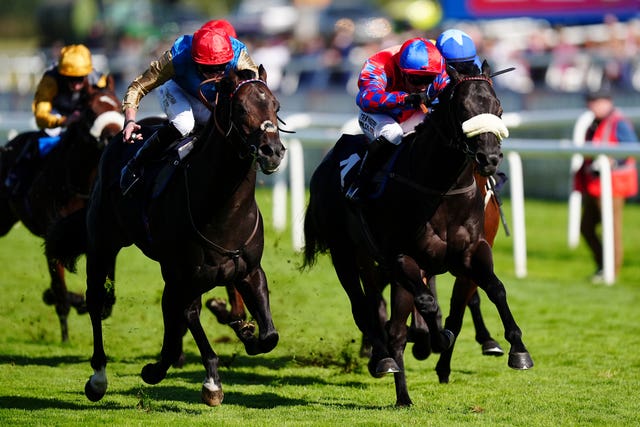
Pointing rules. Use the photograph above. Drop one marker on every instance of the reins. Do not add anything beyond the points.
(232, 253)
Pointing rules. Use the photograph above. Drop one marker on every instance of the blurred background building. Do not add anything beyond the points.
(313, 49)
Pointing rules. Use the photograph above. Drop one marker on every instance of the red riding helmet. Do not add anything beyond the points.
(420, 57)
(221, 24)
(211, 47)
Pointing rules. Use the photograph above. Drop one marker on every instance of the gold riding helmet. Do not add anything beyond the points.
(75, 61)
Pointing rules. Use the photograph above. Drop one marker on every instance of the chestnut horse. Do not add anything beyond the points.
(204, 228)
(59, 184)
(428, 220)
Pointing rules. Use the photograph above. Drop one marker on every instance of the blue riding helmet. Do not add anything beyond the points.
(457, 46)
(419, 56)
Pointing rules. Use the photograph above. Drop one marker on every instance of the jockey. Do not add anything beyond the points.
(459, 51)
(221, 24)
(58, 102)
(395, 85)
(208, 54)
(59, 95)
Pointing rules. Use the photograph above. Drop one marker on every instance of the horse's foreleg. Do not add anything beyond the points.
(218, 306)
(401, 308)
(425, 302)
(484, 276)
(173, 315)
(255, 293)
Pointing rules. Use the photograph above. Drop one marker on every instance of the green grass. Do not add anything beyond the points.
(584, 340)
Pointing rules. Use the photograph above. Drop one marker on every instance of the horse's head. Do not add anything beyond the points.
(103, 112)
(476, 112)
(249, 118)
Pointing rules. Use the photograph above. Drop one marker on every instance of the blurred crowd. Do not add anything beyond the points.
(571, 59)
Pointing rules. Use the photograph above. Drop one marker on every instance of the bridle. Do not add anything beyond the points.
(459, 138)
(248, 140)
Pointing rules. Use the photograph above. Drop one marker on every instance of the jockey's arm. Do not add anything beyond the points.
(43, 104)
(159, 72)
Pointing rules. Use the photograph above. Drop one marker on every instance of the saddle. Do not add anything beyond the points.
(350, 151)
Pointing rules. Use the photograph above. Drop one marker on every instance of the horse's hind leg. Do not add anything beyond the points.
(59, 296)
(211, 392)
(425, 302)
(490, 346)
(401, 307)
(100, 300)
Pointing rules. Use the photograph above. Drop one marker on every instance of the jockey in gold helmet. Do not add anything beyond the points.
(59, 94)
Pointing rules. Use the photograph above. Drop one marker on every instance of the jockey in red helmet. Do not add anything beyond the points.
(221, 24)
(208, 54)
(396, 86)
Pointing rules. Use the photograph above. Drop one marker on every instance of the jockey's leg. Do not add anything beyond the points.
(150, 149)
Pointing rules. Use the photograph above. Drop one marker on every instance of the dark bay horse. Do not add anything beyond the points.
(429, 220)
(204, 228)
(59, 184)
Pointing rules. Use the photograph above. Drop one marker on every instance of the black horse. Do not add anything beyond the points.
(427, 221)
(204, 228)
(58, 184)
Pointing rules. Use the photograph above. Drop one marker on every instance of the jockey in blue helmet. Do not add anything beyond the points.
(459, 51)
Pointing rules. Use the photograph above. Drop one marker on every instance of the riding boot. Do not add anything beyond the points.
(378, 153)
(152, 147)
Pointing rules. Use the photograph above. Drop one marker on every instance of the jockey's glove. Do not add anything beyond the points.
(416, 99)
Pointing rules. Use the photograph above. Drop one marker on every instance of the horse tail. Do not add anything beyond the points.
(311, 241)
(66, 239)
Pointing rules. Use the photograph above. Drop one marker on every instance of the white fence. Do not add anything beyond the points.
(514, 148)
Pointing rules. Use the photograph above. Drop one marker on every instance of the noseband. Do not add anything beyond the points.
(247, 139)
(463, 131)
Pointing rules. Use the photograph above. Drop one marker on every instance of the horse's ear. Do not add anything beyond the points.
(486, 69)
(453, 73)
(262, 73)
(111, 83)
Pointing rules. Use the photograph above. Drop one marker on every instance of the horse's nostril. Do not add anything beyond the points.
(266, 151)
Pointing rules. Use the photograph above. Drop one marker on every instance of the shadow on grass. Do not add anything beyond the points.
(33, 403)
(20, 360)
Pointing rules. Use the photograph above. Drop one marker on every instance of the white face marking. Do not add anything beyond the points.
(109, 101)
(263, 96)
(268, 126)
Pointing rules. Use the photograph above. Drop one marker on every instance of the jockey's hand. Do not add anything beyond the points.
(417, 99)
(73, 117)
(130, 132)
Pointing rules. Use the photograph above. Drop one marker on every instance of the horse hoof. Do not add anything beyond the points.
(492, 348)
(386, 366)
(212, 397)
(520, 360)
(151, 374)
(48, 297)
(421, 351)
(91, 393)
(218, 307)
(443, 379)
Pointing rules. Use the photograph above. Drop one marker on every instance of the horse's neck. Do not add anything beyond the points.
(436, 165)
(223, 174)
